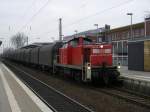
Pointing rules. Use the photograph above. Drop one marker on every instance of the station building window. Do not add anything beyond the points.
(113, 36)
(119, 48)
(120, 52)
(100, 39)
(142, 32)
(115, 62)
(109, 38)
(125, 48)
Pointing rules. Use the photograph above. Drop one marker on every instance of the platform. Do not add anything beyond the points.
(138, 81)
(15, 96)
(141, 75)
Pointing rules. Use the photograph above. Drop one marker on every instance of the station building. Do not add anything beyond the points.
(119, 38)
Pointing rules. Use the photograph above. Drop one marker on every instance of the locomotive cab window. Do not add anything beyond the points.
(74, 43)
(87, 41)
(65, 45)
(96, 51)
(107, 51)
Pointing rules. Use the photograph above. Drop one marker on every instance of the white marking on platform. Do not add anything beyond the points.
(35, 99)
(145, 77)
(54, 90)
(135, 77)
(11, 98)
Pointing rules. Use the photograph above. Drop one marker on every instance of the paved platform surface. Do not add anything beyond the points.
(16, 96)
(134, 74)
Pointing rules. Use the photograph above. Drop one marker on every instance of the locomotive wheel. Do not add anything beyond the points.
(77, 77)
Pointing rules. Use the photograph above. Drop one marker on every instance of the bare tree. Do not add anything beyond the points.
(19, 40)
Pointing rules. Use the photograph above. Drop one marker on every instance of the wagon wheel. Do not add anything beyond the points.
(106, 79)
(77, 77)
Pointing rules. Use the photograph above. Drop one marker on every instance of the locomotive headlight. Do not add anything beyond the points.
(119, 67)
(101, 46)
(88, 67)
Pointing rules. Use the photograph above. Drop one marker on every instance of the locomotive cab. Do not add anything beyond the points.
(72, 51)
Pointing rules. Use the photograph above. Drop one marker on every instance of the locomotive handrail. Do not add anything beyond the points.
(69, 66)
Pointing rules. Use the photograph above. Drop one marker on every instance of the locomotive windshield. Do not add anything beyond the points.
(76, 41)
(87, 41)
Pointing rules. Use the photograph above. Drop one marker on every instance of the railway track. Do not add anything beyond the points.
(53, 98)
(132, 92)
(138, 99)
(129, 96)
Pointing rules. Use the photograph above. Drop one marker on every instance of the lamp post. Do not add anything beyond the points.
(53, 38)
(97, 32)
(76, 32)
(131, 32)
(2, 39)
(27, 40)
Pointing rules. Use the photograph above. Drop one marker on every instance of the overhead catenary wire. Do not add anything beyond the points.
(83, 4)
(100, 12)
(92, 15)
(30, 20)
(29, 8)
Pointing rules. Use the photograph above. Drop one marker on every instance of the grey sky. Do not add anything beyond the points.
(76, 14)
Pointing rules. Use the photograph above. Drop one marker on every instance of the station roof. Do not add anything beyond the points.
(134, 26)
(102, 30)
(34, 45)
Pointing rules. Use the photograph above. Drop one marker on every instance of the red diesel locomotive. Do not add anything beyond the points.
(82, 59)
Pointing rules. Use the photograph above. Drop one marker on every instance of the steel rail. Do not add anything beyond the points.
(133, 98)
(72, 101)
